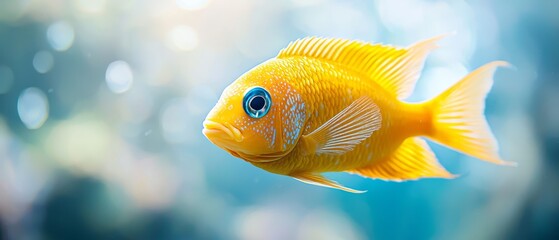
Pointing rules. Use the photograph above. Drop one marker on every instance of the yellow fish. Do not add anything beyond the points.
(331, 105)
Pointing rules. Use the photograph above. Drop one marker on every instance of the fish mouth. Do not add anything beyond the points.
(225, 135)
(214, 129)
(260, 158)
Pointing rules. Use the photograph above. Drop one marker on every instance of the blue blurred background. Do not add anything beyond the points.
(101, 105)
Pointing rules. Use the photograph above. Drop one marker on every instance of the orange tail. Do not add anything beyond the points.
(458, 119)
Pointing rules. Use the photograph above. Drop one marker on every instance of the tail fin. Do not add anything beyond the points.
(458, 119)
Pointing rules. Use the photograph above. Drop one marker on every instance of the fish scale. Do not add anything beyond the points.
(325, 83)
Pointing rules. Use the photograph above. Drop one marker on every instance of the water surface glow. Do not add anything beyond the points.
(92, 6)
(192, 4)
(183, 38)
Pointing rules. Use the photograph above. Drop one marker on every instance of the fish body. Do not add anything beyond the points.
(327, 90)
(332, 105)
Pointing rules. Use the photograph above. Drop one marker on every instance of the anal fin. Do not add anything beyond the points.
(319, 180)
(412, 160)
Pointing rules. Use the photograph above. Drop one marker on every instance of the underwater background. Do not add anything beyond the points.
(102, 103)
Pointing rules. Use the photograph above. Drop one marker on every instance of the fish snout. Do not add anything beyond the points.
(215, 129)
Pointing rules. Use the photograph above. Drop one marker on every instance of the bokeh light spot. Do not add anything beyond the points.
(43, 61)
(6, 79)
(119, 76)
(438, 79)
(328, 224)
(81, 143)
(92, 6)
(183, 38)
(33, 108)
(192, 4)
(391, 13)
(256, 223)
(60, 36)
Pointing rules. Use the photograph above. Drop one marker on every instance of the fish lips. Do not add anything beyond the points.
(221, 132)
(228, 137)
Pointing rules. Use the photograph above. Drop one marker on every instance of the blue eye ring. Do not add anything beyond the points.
(257, 102)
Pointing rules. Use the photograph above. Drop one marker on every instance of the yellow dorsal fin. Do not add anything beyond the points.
(395, 69)
(412, 160)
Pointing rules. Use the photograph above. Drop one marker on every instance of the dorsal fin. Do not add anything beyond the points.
(395, 69)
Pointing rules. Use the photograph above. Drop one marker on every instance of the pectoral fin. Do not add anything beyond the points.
(344, 131)
(319, 180)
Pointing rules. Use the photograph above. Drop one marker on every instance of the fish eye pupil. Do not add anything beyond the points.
(257, 103)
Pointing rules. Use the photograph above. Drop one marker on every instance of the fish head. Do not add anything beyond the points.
(258, 117)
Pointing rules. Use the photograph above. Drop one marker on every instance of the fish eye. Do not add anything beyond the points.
(257, 102)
